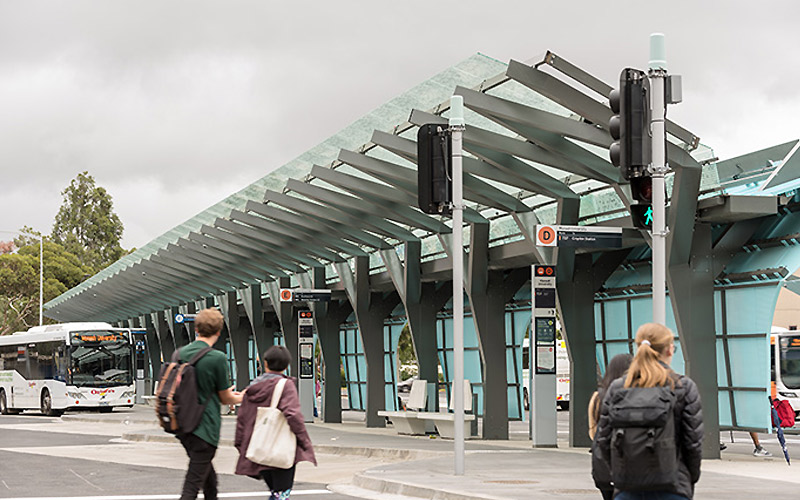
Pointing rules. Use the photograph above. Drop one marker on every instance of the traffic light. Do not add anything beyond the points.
(630, 125)
(434, 169)
(642, 194)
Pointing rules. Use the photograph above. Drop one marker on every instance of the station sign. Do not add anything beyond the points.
(305, 295)
(578, 236)
(184, 318)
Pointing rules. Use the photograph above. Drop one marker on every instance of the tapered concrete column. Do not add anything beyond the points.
(188, 326)
(177, 330)
(576, 287)
(328, 318)
(239, 331)
(164, 335)
(287, 317)
(489, 292)
(263, 325)
(371, 310)
(422, 302)
(153, 344)
(691, 293)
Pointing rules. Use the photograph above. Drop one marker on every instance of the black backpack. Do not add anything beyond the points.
(644, 453)
(177, 404)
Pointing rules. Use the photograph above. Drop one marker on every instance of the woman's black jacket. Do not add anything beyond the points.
(688, 432)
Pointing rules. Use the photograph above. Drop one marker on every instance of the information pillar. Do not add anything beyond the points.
(543, 356)
(306, 380)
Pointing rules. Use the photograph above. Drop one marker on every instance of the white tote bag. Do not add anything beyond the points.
(272, 443)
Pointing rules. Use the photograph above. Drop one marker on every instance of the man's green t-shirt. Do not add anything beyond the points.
(212, 377)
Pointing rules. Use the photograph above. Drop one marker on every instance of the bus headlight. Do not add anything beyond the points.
(128, 394)
(788, 394)
(75, 395)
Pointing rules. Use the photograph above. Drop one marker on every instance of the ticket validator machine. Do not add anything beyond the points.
(306, 372)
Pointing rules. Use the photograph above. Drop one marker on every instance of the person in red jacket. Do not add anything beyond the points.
(259, 394)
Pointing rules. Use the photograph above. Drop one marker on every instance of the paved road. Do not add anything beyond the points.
(28, 471)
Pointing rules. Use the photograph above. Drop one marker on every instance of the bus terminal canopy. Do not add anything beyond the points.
(344, 216)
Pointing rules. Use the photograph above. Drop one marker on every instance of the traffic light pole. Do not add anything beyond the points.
(457, 128)
(659, 168)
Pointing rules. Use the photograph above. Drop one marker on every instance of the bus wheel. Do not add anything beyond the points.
(47, 405)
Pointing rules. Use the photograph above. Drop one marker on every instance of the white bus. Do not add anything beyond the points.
(785, 365)
(72, 365)
(562, 374)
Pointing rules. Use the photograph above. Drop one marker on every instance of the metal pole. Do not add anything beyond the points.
(41, 277)
(659, 168)
(457, 128)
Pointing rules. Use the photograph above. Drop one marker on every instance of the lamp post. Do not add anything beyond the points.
(41, 270)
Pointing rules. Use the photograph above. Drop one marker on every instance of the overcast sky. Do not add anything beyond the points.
(174, 105)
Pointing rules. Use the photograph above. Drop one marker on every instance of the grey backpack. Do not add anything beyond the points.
(644, 453)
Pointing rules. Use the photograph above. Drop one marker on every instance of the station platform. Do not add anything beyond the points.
(396, 467)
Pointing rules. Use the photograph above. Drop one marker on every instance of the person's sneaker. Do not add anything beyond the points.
(761, 452)
(722, 446)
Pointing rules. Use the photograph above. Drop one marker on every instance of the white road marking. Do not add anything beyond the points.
(86, 480)
(240, 494)
(6, 485)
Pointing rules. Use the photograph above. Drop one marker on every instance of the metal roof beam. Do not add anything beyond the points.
(474, 189)
(536, 118)
(278, 239)
(195, 256)
(221, 250)
(256, 225)
(604, 89)
(491, 108)
(251, 249)
(238, 255)
(323, 218)
(507, 169)
(374, 193)
(356, 207)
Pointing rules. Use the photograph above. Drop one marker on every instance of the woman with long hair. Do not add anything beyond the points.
(650, 374)
(616, 368)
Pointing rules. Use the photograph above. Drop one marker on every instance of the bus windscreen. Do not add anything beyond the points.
(790, 361)
(100, 358)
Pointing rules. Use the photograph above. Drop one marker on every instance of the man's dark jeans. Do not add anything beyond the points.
(201, 472)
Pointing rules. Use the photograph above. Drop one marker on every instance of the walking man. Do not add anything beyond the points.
(213, 388)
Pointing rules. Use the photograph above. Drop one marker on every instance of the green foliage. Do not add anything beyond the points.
(86, 224)
(19, 281)
(406, 356)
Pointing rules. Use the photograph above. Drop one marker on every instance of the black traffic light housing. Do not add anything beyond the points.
(642, 194)
(630, 125)
(434, 169)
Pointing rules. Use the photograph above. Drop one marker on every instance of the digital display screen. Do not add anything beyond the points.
(99, 337)
(545, 298)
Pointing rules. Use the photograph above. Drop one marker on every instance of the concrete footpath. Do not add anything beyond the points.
(421, 467)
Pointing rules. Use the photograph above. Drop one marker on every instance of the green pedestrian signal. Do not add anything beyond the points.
(648, 216)
(642, 215)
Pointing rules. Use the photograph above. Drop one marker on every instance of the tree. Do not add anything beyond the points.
(87, 225)
(19, 281)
